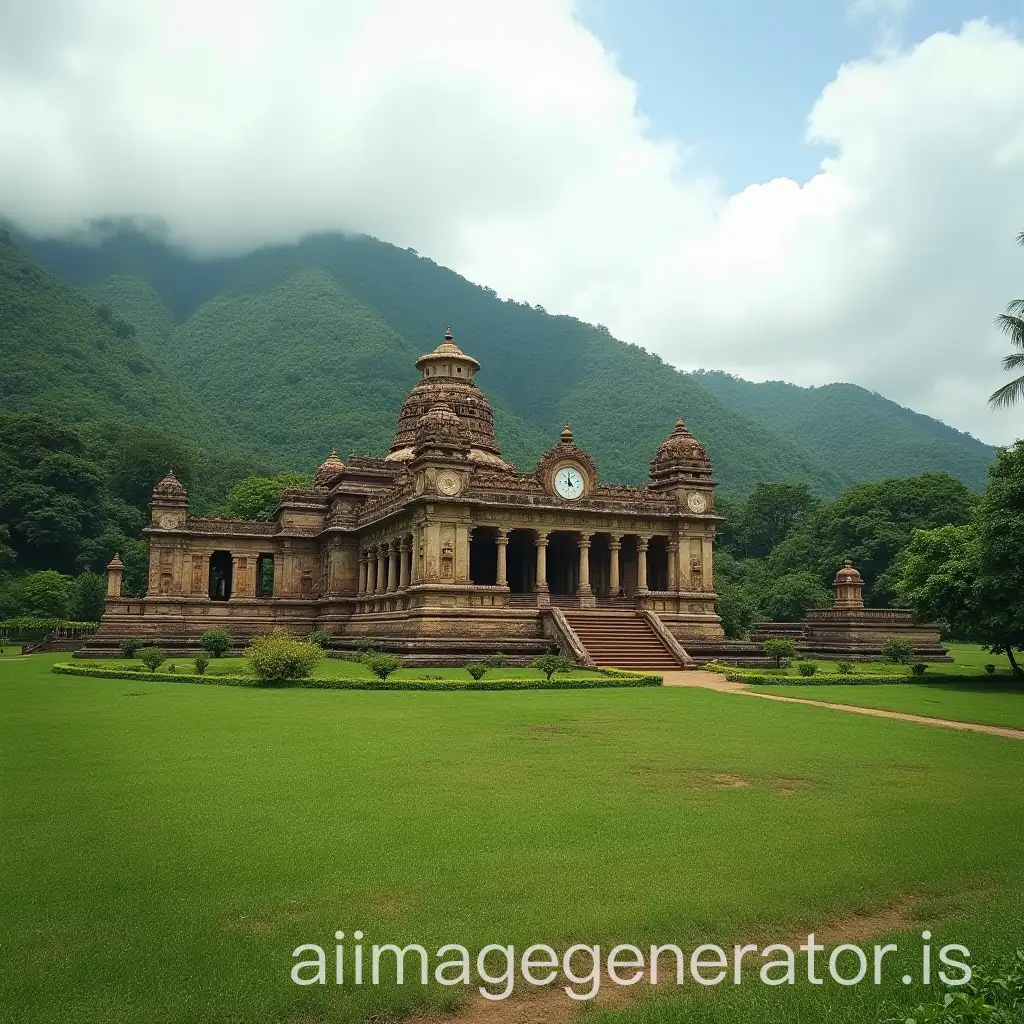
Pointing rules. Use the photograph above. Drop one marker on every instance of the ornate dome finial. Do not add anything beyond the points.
(328, 469)
(567, 434)
(448, 333)
(170, 487)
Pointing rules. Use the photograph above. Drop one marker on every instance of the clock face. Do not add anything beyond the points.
(569, 482)
(698, 502)
(448, 482)
(168, 522)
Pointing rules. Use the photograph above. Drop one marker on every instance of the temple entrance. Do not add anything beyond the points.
(628, 565)
(220, 576)
(600, 564)
(563, 563)
(521, 562)
(265, 576)
(483, 558)
(657, 564)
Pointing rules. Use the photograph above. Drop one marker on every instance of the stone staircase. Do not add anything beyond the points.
(621, 639)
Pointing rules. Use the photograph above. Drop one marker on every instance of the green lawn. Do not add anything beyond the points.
(164, 848)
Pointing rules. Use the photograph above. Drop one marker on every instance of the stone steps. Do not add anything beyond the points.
(621, 639)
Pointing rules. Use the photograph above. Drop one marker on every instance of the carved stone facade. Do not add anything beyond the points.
(441, 541)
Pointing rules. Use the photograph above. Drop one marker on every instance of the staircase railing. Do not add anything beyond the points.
(664, 634)
(566, 637)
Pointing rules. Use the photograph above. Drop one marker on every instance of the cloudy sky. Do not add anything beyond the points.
(807, 190)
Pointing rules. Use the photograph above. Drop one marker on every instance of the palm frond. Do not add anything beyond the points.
(1020, 238)
(1012, 361)
(1015, 307)
(1012, 327)
(1008, 394)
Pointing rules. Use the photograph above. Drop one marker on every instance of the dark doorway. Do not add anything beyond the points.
(628, 565)
(600, 564)
(220, 576)
(521, 562)
(265, 576)
(657, 564)
(483, 559)
(563, 563)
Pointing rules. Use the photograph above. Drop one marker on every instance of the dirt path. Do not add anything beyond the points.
(714, 681)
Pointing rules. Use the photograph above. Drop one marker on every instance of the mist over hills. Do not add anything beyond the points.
(289, 351)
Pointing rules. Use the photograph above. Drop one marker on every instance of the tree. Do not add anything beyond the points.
(897, 650)
(770, 514)
(280, 656)
(45, 595)
(789, 597)
(152, 657)
(143, 458)
(382, 665)
(549, 664)
(89, 595)
(779, 647)
(216, 642)
(1011, 323)
(256, 497)
(476, 671)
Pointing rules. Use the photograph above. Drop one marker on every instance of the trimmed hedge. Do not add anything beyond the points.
(835, 679)
(613, 678)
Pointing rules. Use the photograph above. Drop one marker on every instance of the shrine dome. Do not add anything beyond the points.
(447, 380)
(329, 468)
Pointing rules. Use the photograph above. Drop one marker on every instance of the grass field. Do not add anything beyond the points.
(165, 848)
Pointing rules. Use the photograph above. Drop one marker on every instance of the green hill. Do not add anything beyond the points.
(869, 436)
(300, 348)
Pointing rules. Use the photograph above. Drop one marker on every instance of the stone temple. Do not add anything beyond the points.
(441, 551)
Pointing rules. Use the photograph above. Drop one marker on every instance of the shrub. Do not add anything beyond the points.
(919, 668)
(476, 671)
(549, 664)
(382, 665)
(216, 642)
(779, 647)
(898, 651)
(173, 669)
(496, 660)
(321, 638)
(201, 660)
(278, 657)
(152, 657)
(990, 669)
(130, 647)
(807, 668)
(365, 644)
(847, 668)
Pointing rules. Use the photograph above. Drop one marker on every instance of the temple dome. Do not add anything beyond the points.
(848, 574)
(447, 378)
(328, 469)
(680, 446)
(170, 487)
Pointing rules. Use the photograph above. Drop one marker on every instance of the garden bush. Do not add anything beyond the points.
(897, 651)
(496, 660)
(321, 638)
(382, 665)
(919, 668)
(152, 657)
(845, 667)
(549, 664)
(990, 669)
(201, 660)
(476, 671)
(807, 668)
(279, 657)
(216, 642)
(778, 647)
(130, 647)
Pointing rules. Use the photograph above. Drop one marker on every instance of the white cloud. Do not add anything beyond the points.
(502, 140)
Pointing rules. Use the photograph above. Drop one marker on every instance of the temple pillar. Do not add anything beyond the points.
(614, 547)
(382, 569)
(641, 564)
(502, 541)
(361, 588)
(371, 571)
(541, 586)
(583, 590)
(673, 564)
(115, 575)
(403, 563)
(414, 556)
(392, 548)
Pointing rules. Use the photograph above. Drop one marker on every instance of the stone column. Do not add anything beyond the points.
(541, 586)
(502, 541)
(583, 543)
(641, 564)
(115, 574)
(403, 563)
(234, 577)
(414, 555)
(382, 569)
(614, 546)
(673, 564)
(371, 572)
(361, 588)
(392, 548)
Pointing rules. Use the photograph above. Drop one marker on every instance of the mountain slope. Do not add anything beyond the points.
(886, 440)
(348, 365)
